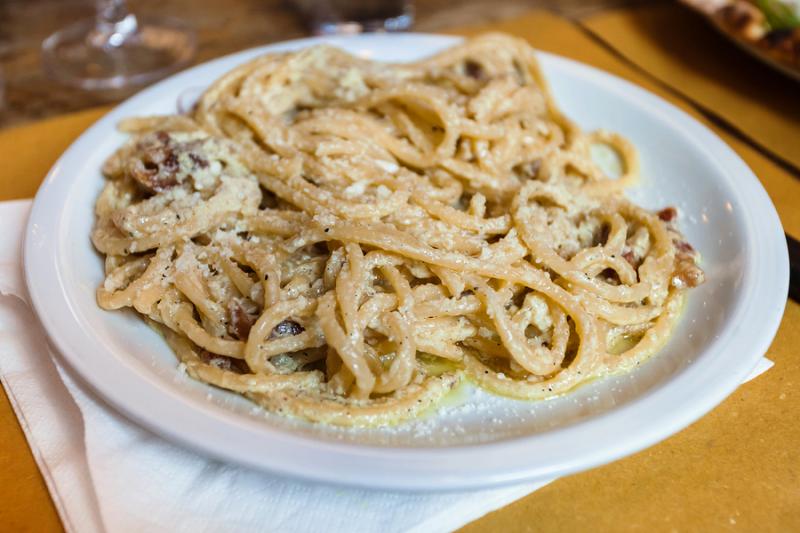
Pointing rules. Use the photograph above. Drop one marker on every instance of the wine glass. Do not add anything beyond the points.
(2, 90)
(329, 17)
(117, 49)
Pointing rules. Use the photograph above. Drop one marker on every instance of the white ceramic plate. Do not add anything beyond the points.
(476, 440)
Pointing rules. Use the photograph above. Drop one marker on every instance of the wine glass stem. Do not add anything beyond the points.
(115, 24)
(111, 11)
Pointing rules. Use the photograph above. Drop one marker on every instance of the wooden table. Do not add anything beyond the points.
(737, 468)
(222, 27)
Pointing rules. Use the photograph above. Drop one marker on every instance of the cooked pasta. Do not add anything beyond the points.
(344, 240)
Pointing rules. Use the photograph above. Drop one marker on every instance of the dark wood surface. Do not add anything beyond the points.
(222, 26)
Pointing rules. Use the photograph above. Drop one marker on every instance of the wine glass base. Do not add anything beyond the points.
(82, 56)
(399, 23)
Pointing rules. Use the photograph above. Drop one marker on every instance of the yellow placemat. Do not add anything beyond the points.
(682, 50)
(29, 151)
(737, 467)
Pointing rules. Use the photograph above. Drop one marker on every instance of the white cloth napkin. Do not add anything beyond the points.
(106, 474)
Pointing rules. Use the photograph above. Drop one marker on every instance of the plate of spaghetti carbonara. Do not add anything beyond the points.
(346, 259)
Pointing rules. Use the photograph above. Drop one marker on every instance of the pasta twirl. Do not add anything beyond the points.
(325, 234)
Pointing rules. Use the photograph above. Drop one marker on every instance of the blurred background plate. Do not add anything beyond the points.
(751, 29)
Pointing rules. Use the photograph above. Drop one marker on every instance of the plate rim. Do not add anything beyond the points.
(391, 467)
(751, 47)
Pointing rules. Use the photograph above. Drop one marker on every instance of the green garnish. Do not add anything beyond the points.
(781, 14)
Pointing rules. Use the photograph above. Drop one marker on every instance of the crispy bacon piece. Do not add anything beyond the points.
(668, 214)
(685, 248)
(241, 321)
(630, 258)
(223, 362)
(158, 168)
(473, 69)
(198, 160)
(687, 273)
(286, 328)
